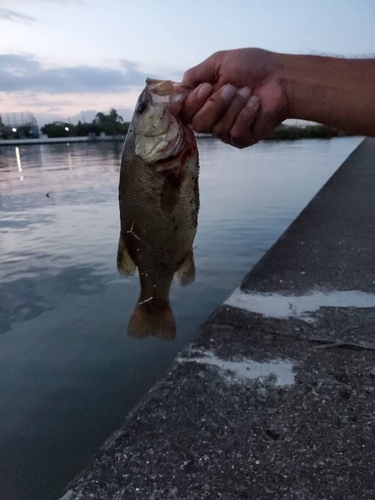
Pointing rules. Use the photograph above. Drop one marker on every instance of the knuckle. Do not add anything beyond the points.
(218, 130)
(223, 136)
(242, 140)
(189, 75)
(218, 54)
(240, 146)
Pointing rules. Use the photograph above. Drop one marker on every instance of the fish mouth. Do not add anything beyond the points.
(160, 88)
(166, 90)
(162, 137)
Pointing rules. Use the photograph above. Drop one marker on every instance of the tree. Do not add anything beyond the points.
(58, 129)
(111, 124)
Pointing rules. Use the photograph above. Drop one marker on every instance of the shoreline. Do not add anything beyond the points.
(69, 140)
(59, 140)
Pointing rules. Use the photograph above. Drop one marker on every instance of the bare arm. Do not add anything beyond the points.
(333, 91)
(242, 95)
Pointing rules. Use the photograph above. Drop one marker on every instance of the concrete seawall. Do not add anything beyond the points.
(275, 399)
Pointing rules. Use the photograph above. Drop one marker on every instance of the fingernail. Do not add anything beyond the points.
(253, 102)
(204, 91)
(228, 92)
(177, 98)
(244, 92)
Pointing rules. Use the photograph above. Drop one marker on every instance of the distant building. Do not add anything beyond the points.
(14, 125)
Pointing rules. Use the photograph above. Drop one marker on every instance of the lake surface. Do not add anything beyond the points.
(69, 373)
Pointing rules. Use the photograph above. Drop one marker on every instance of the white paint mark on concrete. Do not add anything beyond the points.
(247, 369)
(274, 305)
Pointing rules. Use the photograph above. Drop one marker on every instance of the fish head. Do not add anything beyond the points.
(158, 133)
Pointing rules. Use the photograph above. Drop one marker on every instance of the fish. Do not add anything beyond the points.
(159, 204)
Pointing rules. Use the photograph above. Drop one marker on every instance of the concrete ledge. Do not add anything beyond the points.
(276, 397)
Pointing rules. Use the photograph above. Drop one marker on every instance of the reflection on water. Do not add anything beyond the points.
(69, 372)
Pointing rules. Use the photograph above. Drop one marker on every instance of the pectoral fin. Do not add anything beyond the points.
(185, 274)
(125, 265)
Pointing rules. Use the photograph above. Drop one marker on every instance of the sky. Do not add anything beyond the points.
(68, 59)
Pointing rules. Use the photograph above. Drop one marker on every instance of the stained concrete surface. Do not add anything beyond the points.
(262, 407)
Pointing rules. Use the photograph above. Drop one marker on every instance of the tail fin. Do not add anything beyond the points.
(149, 320)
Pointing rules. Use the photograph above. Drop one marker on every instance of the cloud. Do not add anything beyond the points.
(25, 73)
(48, 1)
(12, 15)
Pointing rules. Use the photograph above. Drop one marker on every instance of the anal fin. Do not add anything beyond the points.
(185, 274)
(125, 265)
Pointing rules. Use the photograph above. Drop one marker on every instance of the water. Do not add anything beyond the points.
(69, 372)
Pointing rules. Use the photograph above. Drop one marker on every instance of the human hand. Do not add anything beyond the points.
(239, 96)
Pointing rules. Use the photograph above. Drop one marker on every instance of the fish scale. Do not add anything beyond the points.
(159, 203)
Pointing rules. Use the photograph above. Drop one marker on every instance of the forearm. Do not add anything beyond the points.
(332, 91)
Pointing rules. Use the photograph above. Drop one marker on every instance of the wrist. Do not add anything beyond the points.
(290, 80)
(279, 77)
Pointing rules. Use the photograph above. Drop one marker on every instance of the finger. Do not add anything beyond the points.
(195, 100)
(213, 109)
(201, 73)
(206, 71)
(241, 135)
(224, 125)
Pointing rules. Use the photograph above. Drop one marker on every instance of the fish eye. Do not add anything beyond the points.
(141, 107)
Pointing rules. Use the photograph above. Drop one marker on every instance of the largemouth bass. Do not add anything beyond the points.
(159, 202)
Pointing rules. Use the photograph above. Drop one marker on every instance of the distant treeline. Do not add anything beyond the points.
(114, 125)
(111, 124)
(21, 132)
(292, 132)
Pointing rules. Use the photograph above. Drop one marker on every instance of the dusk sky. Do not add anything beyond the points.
(62, 58)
